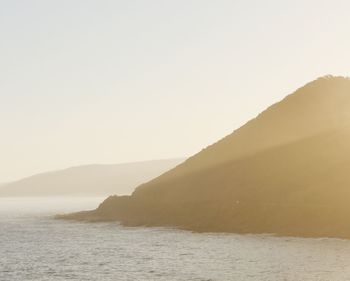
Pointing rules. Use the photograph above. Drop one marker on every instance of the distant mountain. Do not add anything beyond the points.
(287, 172)
(89, 180)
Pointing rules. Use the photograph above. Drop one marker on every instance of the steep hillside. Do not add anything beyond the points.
(285, 172)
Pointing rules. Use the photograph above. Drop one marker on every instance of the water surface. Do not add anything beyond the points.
(33, 246)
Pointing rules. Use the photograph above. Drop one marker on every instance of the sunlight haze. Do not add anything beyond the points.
(85, 82)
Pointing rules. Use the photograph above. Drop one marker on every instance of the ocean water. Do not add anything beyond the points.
(34, 246)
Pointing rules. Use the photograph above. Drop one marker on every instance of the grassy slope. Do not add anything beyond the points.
(284, 172)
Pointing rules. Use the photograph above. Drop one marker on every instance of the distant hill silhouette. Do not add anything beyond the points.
(286, 172)
(89, 180)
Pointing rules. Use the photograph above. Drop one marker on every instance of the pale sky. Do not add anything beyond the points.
(117, 81)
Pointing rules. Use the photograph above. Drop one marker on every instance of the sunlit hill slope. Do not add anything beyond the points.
(286, 172)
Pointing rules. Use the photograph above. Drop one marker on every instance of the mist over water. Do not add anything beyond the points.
(17, 207)
(34, 246)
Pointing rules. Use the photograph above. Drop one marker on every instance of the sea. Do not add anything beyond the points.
(35, 246)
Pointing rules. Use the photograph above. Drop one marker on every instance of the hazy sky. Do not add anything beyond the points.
(117, 81)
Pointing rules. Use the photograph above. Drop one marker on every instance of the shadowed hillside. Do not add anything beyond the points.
(285, 172)
(89, 180)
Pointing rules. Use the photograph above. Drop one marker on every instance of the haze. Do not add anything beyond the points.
(120, 81)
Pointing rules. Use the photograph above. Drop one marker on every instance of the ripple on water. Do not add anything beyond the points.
(40, 248)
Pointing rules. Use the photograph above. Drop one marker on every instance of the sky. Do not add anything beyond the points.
(105, 81)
